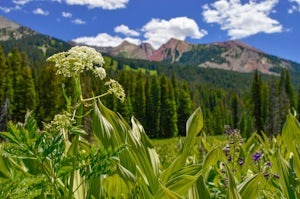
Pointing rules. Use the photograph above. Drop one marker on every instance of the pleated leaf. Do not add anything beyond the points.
(232, 191)
(199, 190)
(249, 189)
(193, 127)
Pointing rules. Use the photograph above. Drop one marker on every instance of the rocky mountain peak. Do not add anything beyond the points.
(11, 30)
(7, 24)
(172, 50)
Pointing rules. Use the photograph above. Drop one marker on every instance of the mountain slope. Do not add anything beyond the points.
(230, 55)
(37, 46)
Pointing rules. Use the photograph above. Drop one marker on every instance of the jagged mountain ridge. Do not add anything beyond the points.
(230, 55)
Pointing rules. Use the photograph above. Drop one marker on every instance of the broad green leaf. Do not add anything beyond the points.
(249, 189)
(291, 138)
(78, 186)
(115, 187)
(112, 130)
(193, 127)
(283, 169)
(211, 159)
(166, 193)
(232, 191)
(199, 190)
(181, 181)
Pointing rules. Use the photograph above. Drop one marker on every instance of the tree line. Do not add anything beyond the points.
(161, 101)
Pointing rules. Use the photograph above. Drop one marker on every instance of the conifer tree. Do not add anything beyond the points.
(235, 110)
(153, 106)
(168, 121)
(256, 91)
(140, 99)
(17, 102)
(272, 124)
(29, 91)
(289, 89)
(286, 96)
(49, 91)
(184, 109)
(6, 90)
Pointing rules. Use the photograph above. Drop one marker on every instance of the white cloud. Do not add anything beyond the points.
(9, 9)
(159, 31)
(78, 21)
(105, 40)
(104, 4)
(295, 7)
(21, 2)
(40, 11)
(242, 20)
(156, 32)
(126, 31)
(66, 14)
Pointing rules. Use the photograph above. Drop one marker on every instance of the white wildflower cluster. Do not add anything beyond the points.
(116, 89)
(77, 60)
(60, 121)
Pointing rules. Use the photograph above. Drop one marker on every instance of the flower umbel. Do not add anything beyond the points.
(116, 89)
(78, 59)
(60, 121)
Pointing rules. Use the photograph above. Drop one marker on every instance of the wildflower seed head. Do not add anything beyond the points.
(116, 89)
(77, 60)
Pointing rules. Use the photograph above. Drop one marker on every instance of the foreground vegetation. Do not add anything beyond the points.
(121, 162)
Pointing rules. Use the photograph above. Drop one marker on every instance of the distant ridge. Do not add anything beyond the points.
(229, 55)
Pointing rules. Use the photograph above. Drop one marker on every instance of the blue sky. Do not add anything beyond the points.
(272, 26)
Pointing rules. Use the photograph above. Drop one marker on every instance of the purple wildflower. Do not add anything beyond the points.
(256, 156)
(241, 161)
(229, 159)
(266, 175)
(226, 150)
(268, 164)
(277, 176)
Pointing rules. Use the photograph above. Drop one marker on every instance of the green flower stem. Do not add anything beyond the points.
(93, 98)
(78, 96)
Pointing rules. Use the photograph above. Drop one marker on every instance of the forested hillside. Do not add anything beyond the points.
(160, 95)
